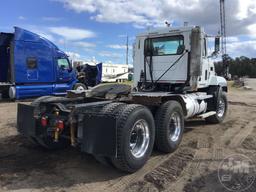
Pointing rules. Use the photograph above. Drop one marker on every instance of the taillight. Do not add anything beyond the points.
(44, 121)
(60, 124)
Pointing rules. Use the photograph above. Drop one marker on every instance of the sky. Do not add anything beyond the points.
(97, 29)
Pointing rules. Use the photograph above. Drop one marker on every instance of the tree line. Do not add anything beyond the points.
(240, 66)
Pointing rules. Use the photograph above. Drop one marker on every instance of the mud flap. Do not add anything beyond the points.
(26, 123)
(99, 134)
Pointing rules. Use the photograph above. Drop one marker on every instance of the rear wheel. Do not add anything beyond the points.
(169, 126)
(46, 140)
(135, 138)
(5, 94)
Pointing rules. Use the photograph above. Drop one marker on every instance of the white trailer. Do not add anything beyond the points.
(114, 72)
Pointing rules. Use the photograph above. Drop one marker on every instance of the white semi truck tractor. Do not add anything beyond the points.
(174, 80)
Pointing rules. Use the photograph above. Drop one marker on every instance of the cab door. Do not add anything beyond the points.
(206, 69)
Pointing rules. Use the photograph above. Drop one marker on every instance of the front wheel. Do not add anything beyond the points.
(80, 87)
(220, 108)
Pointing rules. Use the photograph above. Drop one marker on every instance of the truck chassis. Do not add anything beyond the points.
(120, 132)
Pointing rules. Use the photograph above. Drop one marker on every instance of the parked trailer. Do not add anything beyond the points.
(174, 81)
(32, 66)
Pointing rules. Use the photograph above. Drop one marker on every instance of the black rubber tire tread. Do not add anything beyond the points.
(80, 84)
(215, 119)
(162, 118)
(47, 142)
(5, 94)
(120, 161)
(112, 108)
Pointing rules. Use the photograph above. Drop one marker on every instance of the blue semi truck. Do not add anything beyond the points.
(32, 66)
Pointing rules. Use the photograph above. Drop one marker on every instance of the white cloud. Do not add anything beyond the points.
(69, 33)
(73, 55)
(144, 13)
(46, 35)
(242, 48)
(122, 36)
(240, 17)
(246, 9)
(53, 19)
(140, 12)
(252, 29)
(232, 39)
(118, 46)
(109, 54)
(40, 31)
(84, 44)
(21, 17)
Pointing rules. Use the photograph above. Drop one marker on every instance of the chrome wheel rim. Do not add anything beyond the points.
(80, 88)
(221, 108)
(139, 138)
(175, 127)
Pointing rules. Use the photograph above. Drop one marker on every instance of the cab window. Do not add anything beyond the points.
(63, 64)
(163, 45)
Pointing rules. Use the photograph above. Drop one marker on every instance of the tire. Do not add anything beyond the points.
(112, 108)
(80, 87)
(46, 141)
(5, 94)
(133, 147)
(168, 134)
(221, 107)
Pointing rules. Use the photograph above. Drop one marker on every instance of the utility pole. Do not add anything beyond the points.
(223, 38)
(127, 50)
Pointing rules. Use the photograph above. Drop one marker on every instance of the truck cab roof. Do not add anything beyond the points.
(168, 30)
(21, 34)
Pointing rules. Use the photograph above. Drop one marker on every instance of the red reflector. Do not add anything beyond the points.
(44, 121)
(60, 124)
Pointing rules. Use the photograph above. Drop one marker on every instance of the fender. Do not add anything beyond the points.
(219, 81)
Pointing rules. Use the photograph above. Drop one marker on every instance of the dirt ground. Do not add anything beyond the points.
(192, 168)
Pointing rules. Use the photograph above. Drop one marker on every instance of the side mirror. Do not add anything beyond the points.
(180, 49)
(217, 44)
